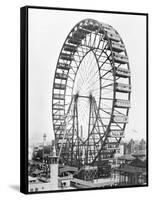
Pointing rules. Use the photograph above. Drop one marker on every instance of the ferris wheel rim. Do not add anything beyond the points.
(100, 25)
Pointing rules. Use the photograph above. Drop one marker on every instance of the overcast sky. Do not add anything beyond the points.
(47, 31)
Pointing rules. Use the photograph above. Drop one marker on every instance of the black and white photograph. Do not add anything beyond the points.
(86, 97)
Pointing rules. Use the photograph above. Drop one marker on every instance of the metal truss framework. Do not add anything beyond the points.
(91, 94)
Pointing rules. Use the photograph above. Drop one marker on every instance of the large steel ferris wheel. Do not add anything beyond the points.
(91, 94)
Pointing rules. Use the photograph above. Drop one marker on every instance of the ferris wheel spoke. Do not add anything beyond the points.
(109, 74)
(69, 86)
(80, 57)
(86, 41)
(95, 39)
(82, 108)
(103, 126)
(81, 78)
(75, 61)
(91, 76)
(83, 82)
(98, 129)
(103, 50)
(106, 81)
(115, 110)
(90, 62)
(107, 106)
(84, 53)
(92, 87)
(104, 62)
(100, 40)
(105, 93)
(85, 44)
(95, 81)
(106, 73)
(95, 72)
(108, 85)
(98, 59)
(109, 113)
(74, 72)
(68, 76)
(89, 42)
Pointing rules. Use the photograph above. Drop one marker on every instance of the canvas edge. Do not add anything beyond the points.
(24, 94)
(24, 100)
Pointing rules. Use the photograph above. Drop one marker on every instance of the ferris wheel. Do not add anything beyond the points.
(91, 94)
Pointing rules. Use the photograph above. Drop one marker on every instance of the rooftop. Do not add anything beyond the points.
(126, 157)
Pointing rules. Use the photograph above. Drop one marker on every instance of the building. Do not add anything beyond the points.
(134, 146)
(39, 185)
(129, 147)
(120, 151)
(125, 159)
(141, 154)
(142, 145)
(133, 173)
(30, 153)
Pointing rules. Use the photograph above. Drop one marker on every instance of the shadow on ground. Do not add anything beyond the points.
(15, 187)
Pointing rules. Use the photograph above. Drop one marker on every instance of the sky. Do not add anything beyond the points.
(48, 30)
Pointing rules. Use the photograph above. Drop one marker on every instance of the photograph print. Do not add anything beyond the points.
(86, 99)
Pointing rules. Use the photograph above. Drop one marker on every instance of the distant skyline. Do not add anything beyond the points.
(49, 142)
(47, 32)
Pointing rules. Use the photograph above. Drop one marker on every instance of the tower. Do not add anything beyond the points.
(44, 139)
(53, 162)
(44, 144)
